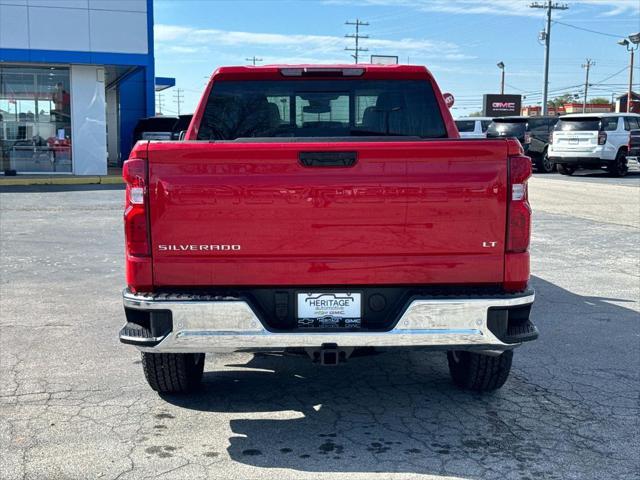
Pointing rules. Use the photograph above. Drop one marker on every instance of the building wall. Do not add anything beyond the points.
(133, 106)
(75, 25)
(88, 35)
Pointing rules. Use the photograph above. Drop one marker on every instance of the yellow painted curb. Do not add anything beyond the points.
(89, 180)
(111, 180)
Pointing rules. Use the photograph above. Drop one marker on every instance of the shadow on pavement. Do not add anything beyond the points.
(399, 412)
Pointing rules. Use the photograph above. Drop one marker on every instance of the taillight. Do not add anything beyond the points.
(136, 227)
(602, 138)
(551, 138)
(527, 138)
(519, 211)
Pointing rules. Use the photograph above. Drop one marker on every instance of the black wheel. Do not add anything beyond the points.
(475, 371)
(564, 169)
(544, 164)
(173, 372)
(619, 167)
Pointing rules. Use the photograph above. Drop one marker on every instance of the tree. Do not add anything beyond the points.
(476, 114)
(562, 99)
(600, 101)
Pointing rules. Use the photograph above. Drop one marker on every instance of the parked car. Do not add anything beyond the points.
(532, 132)
(473, 127)
(154, 128)
(325, 209)
(181, 126)
(593, 140)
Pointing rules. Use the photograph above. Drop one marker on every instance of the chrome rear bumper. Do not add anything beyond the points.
(225, 325)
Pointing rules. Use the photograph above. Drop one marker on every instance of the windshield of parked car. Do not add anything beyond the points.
(507, 128)
(466, 125)
(579, 124)
(321, 108)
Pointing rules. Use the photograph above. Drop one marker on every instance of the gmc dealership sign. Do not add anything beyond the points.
(501, 105)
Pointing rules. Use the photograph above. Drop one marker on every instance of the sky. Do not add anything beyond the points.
(459, 41)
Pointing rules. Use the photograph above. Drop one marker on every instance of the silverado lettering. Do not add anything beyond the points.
(364, 220)
(197, 248)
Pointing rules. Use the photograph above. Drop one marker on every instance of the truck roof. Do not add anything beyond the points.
(370, 71)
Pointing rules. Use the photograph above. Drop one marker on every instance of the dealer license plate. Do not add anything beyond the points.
(329, 309)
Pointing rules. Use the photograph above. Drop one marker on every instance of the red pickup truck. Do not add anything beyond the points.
(322, 209)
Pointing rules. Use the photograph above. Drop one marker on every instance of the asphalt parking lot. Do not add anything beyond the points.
(74, 403)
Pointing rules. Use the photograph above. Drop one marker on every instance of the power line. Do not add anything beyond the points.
(357, 38)
(612, 75)
(253, 60)
(588, 30)
(178, 96)
(549, 6)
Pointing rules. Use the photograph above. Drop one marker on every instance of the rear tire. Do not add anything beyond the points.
(544, 164)
(173, 372)
(478, 372)
(619, 168)
(564, 169)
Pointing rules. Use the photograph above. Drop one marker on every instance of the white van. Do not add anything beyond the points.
(593, 140)
(473, 127)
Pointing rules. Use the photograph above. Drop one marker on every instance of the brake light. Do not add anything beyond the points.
(551, 138)
(527, 138)
(136, 227)
(602, 138)
(519, 211)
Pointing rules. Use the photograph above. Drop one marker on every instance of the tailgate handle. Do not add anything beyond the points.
(328, 159)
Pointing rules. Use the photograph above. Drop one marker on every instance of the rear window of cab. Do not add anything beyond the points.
(321, 108)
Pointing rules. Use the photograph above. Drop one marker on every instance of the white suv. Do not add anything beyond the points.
(592, 140)
(473, 127)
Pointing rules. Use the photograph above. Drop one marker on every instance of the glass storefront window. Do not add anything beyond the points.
(35, 119)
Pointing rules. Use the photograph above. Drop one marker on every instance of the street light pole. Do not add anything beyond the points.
(630, 92)
(633, 40)
(501, 67)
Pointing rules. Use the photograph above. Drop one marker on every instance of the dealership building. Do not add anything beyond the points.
(75, 77)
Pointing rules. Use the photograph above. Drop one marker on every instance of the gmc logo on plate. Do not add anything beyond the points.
(503, 105)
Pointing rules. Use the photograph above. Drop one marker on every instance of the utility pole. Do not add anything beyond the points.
(253, 60)
(548, 6)
(159, 100)
(357, 38)
(590, 63)
(178, 96)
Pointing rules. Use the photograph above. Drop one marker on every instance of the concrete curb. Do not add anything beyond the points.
(88, 180)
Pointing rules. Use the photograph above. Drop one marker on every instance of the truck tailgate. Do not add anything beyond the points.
(406, 212)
